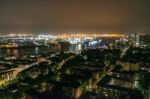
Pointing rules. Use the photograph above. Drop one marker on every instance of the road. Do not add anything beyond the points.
(21, 68)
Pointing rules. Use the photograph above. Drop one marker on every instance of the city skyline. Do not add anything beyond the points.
(74, 49)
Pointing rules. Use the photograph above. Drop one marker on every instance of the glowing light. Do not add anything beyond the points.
(93, 42)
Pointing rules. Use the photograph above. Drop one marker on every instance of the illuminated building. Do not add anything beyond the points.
(145, 40)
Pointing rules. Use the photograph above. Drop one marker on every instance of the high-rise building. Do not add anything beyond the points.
(144, 40)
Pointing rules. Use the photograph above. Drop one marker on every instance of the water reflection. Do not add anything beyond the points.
(37, 50)
(8, 52)
(15, 52)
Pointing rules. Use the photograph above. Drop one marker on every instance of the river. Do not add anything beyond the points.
(37, 50)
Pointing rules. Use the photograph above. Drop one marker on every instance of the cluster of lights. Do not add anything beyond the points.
(69, 35)
(8, 45)
(77, 35)
(17, 35)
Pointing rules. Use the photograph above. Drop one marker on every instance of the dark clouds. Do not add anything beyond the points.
(75, 15)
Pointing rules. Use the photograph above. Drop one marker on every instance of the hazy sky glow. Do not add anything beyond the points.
(75, 15)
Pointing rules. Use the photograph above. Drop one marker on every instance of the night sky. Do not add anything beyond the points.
(75, 15)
